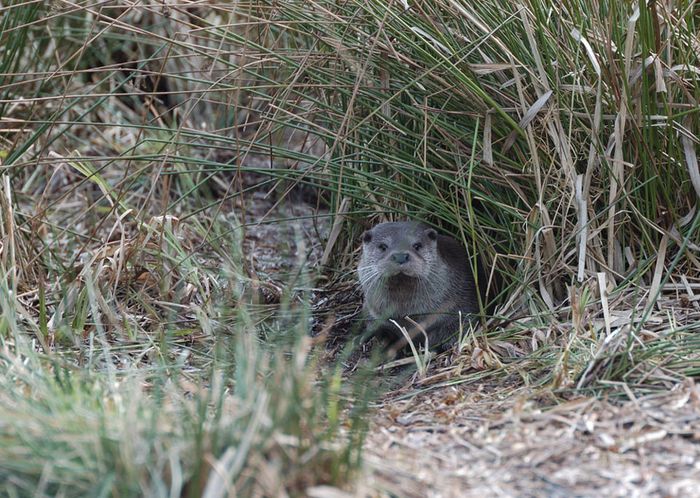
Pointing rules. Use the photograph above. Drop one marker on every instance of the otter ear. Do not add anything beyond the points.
(367, 237)
(432, 234)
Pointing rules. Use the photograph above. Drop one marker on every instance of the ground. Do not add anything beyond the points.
(491, 440)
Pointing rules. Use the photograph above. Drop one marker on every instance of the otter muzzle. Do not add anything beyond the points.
(400, 258)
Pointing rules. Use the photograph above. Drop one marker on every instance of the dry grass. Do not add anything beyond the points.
(484, 438)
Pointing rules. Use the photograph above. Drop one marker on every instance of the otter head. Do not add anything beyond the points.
(407, 249)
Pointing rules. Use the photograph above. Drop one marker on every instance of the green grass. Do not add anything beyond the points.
(557, 139)
(127, 430)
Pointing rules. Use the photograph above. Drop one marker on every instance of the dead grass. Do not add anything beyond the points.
(491, 439)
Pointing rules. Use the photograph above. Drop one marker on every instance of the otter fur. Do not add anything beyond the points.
(407, 269)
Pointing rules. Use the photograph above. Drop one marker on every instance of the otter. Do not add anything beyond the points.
(408, 269)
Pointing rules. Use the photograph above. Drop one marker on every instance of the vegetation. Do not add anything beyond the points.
(143, 352)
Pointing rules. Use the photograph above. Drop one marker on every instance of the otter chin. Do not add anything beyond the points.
(408, 270)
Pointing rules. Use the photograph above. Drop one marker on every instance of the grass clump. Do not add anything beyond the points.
(103, 422)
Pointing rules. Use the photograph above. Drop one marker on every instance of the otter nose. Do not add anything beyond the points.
(399, 257)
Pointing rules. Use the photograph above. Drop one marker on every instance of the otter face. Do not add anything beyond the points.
(401, 248)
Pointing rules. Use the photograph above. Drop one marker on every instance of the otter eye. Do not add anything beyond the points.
(382, 247)
(418, 246)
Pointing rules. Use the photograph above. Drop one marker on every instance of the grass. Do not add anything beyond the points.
(144, 352)
(128, 430)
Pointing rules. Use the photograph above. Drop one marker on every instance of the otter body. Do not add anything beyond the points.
(408, 269)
